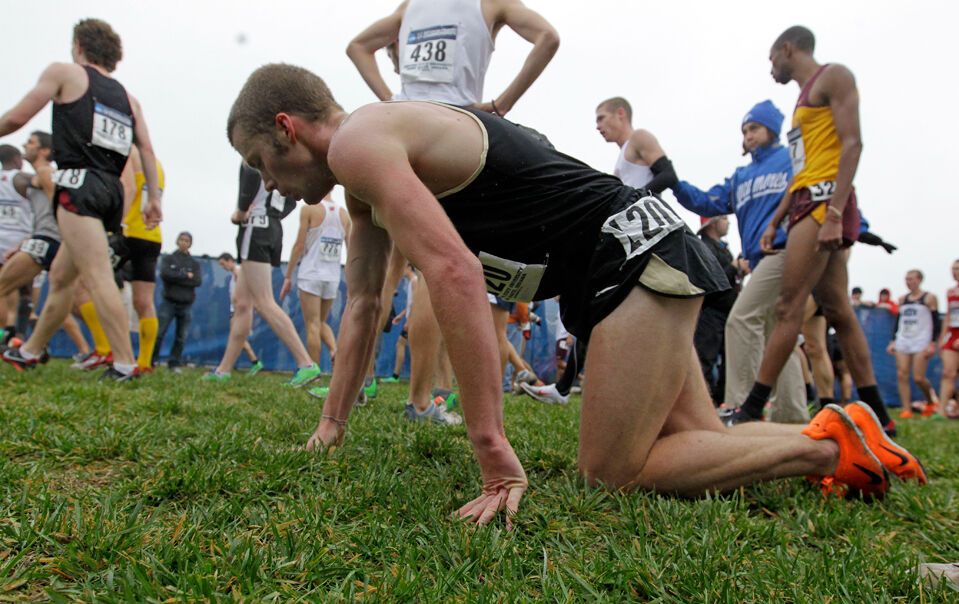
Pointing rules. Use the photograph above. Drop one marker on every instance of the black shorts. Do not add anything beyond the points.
(137, 258)
(258, 243)
(42, 249)
(91, 193)
(671, 262)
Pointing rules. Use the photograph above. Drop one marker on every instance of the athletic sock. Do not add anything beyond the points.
(124, 368)
(148, 340)
(396, 376)
(826, 401)
(100, 341)
(870, 395)
(810, 393)
(756, 400)
(27, 355)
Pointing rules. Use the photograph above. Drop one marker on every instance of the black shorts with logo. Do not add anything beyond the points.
(89, 192)
(669, 261)
(260, 240)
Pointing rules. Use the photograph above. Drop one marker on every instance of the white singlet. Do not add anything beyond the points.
(634, 175)
(915, 325)
(16, 214)
(263, 199)
(321, 258)
(444, 51)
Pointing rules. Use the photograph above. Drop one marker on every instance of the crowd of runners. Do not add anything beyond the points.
(483, 216)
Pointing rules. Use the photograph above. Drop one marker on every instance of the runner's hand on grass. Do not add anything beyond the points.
(504, 483)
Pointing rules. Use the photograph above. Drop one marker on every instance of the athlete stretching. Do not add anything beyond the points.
(461, 192)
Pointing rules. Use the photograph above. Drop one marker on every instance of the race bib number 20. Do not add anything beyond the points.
(511, 280)
(429, 54)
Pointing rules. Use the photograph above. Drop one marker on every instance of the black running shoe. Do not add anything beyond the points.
(13, 356)
(112, 375)
(733, 417)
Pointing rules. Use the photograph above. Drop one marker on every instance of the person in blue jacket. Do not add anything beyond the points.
(753, 193)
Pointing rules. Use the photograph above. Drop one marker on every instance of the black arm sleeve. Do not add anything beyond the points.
(664, 176)
(936, 325)
(895, 326)
(249, 187)
(873, 239)
(289, 204)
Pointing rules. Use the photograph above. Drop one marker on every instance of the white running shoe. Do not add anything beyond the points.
(546, 394)
(434, 413)
(525, 376)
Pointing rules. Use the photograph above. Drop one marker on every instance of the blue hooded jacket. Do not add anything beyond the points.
(752, 193)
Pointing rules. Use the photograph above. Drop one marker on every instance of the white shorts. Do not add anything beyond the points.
(909, 346)
(325, 290)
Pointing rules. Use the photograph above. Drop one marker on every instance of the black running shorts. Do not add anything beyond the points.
(260, 240)
(92, 193)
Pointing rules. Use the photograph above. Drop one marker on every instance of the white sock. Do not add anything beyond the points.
(124, 368)
(27, 355)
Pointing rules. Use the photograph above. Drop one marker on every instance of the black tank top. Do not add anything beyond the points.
(96, 130)
(526, 187)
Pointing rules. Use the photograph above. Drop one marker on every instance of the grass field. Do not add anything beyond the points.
(170, 489)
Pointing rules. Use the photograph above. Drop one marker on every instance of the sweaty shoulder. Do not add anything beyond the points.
(835, 79)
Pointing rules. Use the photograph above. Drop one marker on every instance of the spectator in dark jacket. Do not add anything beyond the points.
(180, 273)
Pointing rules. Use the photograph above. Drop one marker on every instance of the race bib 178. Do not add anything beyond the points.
(70, 179)
(112, 129)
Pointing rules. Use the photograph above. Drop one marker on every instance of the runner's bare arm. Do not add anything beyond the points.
(46, 89)
(379, 172)
(129, 182)
(369, 250)
(153, 214)
(839, 86)
(297, 250)
(362, 50)
(646, 146)
(532, 27)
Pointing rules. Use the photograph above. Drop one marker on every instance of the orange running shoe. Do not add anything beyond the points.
(893, 456)
(906, 413)
(929, 409)
(858, 468)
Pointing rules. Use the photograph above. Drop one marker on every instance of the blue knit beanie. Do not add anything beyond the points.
(766, 114)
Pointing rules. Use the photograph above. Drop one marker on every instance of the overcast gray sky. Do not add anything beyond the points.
(690, 69)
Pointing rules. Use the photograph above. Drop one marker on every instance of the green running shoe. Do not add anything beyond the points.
(452, 401)
(370, 389)
(219, 378)
(304, 375)
(390, 380)
(255, 369)
(320, 392)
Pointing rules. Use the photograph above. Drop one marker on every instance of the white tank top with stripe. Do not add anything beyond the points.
(324, 243)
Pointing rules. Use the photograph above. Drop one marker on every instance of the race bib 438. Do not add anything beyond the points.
(429, 54)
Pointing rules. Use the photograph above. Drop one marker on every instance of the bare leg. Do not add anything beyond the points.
(63, 277)
(902, 379)
(257, 277)
(500, 321)
(950, 364)
(400, 355)
(84, 238)
(424, 333)
(326, 332)
(240, 326)
(444, 368)
(249, 351)
(72, 329)
(804, 267)
(310, 304)
(665, 436)
(920, 362)
(814, 332)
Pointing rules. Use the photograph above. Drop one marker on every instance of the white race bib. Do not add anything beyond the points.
(70, 179)
(112, 129)
(429, 54)
(510, 280)
(909, 323)
(642, 225)
(954, 317)
(277, 201)
(10, 215)
(36, 248)
(330, 249)
(257, 222)
(823, 191)
(797, 151)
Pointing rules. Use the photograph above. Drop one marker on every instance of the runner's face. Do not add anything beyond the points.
(912, 281)
(781, 71)
(955, 271)
(754, 136)
(31, 149)
(607, 122)
(290, 169)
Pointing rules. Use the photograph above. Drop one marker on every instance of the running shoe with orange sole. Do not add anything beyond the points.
(893, 456)
(858, 468)
(905, 413)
